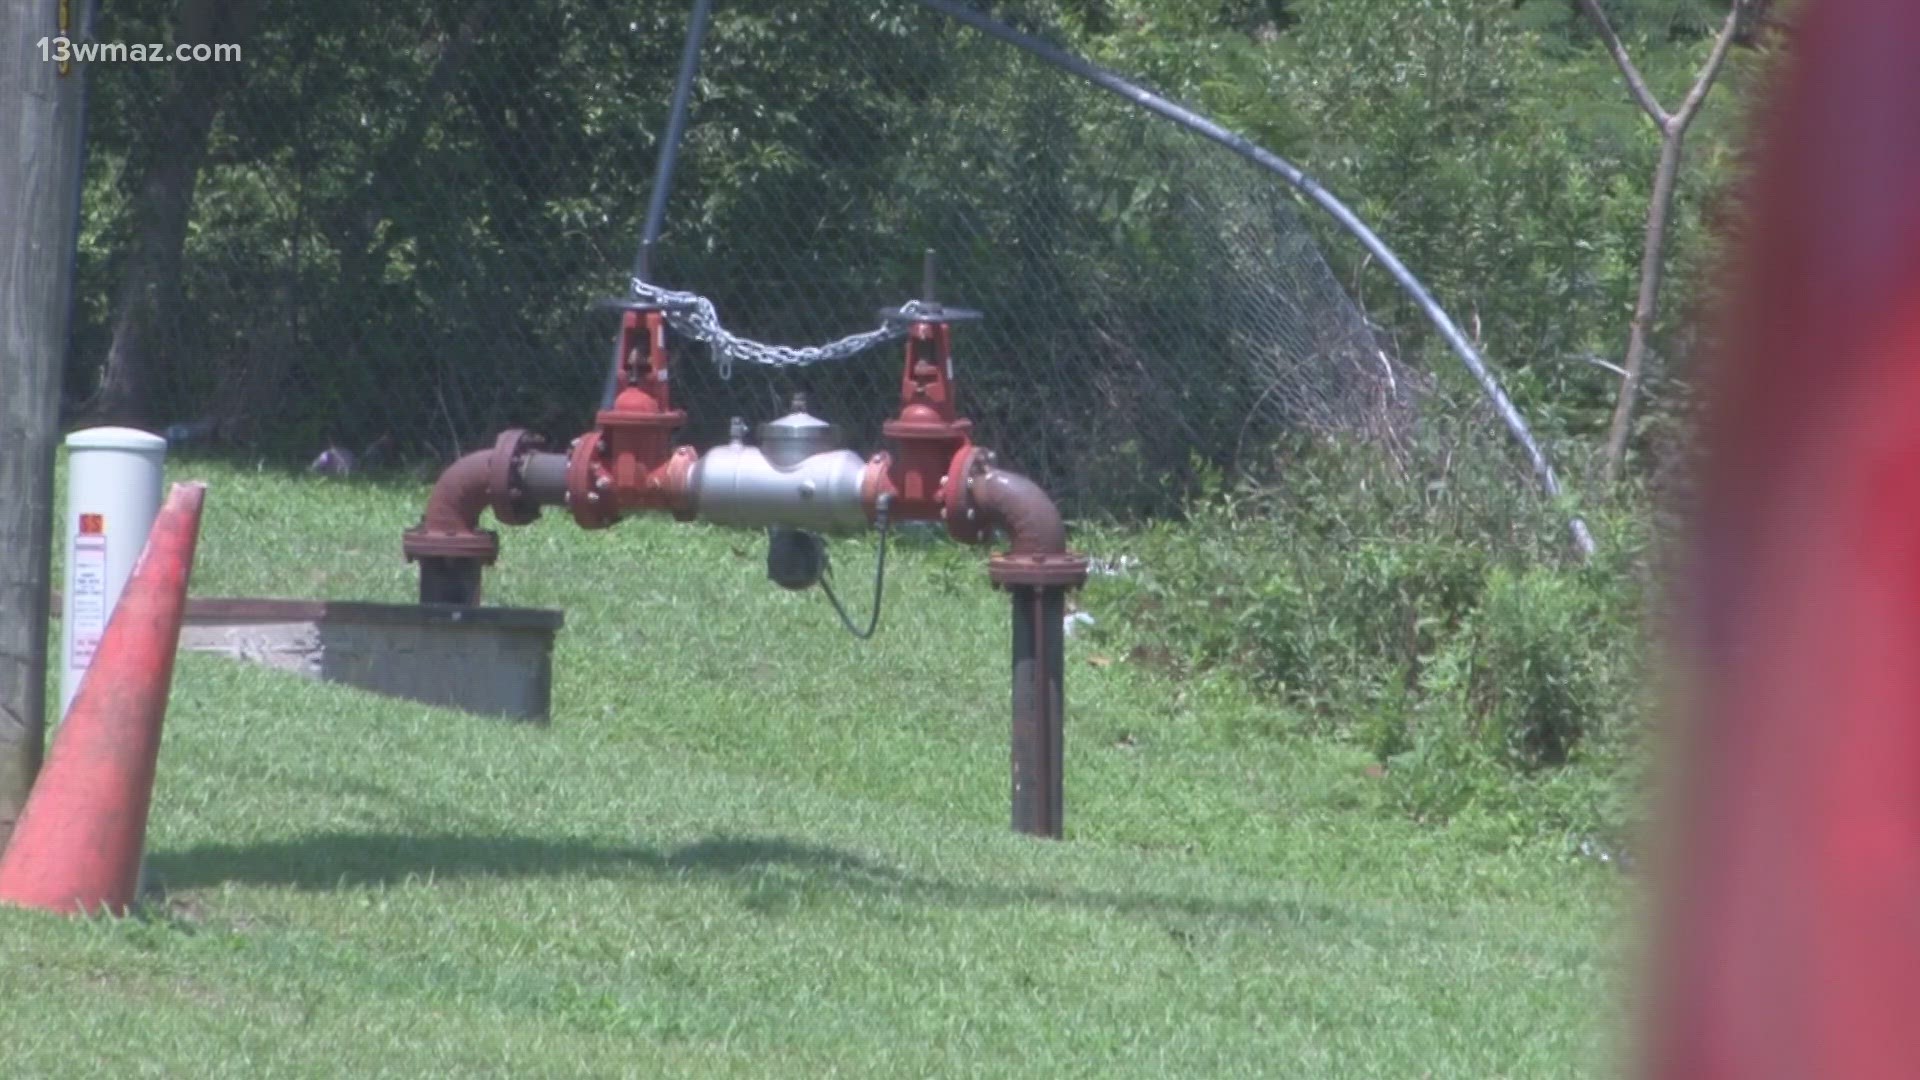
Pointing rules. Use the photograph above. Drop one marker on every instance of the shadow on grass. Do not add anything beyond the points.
(768, 870)
(352, 860)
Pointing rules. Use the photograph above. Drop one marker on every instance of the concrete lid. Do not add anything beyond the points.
(115, 438)
(269, 609)
(256, 609)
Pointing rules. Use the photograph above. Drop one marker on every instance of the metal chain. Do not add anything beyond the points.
(695, 316)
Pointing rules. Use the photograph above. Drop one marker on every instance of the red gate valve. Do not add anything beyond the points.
(939, 480)
(927, 479)
(644, 360)
(628, 462)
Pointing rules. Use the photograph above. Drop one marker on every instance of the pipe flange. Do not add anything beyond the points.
(675, 483)
(591, 508)
(964, 523)
(506, 496)
(1065, 571)
(482, 546)
(874, 482)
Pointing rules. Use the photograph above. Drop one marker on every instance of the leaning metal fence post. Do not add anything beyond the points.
(663, 169)
(1306, 185)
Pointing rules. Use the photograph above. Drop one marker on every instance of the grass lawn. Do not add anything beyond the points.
(750, 845)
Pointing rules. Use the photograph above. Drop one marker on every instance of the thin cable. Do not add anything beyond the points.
(879, 577)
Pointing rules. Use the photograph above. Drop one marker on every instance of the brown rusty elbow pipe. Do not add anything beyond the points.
(473, 483)
(459, 496)
(512, 479)
(1036, 571)
(1016, 504)
(1038, 553)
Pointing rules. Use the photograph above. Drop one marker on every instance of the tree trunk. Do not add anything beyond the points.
(1646, 307)
(136, 360)
(1673, 142)
(351, 228)
(40, 124)
(354, 224)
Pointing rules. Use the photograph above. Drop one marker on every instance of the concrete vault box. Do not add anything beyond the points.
(489, 661)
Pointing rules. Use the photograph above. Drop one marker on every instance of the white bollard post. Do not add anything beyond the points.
(113, 495)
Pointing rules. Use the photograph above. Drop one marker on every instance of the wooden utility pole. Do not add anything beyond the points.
(41, 103)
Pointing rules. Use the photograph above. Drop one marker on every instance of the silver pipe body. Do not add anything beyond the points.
(736, 485)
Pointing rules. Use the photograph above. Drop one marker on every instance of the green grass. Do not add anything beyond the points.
(750, 845)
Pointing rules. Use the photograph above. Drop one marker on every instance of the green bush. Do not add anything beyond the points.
(1441, 627)
(1521, 673)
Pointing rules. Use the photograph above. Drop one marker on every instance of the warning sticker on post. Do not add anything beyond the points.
(89, 562)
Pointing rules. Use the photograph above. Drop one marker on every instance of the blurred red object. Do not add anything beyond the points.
(1789, 938)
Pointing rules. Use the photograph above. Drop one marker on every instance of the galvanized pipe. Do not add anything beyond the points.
(1039, 710)
(544, 478)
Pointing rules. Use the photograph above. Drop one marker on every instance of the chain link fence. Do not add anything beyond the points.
(384, 232)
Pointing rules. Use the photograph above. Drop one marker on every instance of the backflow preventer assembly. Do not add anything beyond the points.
(797, 483)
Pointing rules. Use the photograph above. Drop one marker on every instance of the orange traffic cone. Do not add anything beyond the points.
(77, 845)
